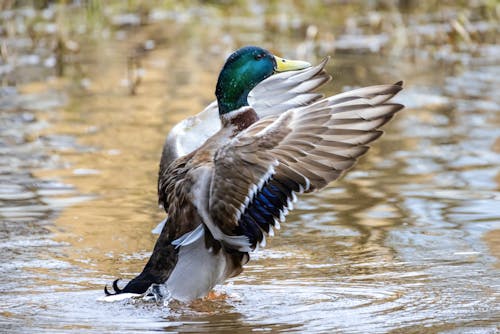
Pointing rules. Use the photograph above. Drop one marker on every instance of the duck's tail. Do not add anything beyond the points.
(190, 265)
(156, 271)
(139, 285)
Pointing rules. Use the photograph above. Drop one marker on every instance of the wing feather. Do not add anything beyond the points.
(257, 174)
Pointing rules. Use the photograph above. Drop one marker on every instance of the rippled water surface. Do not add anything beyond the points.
(407, 242)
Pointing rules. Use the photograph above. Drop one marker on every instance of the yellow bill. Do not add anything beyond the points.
(283, 65)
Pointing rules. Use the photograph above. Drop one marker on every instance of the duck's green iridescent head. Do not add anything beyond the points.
(243, 70)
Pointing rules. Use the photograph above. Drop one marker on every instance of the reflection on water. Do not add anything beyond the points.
(406, 242)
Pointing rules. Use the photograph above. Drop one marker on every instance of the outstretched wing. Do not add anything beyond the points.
(257, 174)
(278, 93)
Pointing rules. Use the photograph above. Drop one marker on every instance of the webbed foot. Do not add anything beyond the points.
(157, 292)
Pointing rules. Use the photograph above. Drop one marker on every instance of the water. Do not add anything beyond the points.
(407, 242)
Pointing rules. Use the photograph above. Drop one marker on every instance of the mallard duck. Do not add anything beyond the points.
(224, 196)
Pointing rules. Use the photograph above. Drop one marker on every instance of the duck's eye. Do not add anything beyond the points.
(259, 56)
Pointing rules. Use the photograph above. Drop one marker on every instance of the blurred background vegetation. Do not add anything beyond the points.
(52, 33)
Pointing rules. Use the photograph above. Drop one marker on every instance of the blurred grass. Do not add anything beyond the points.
(410, 29)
